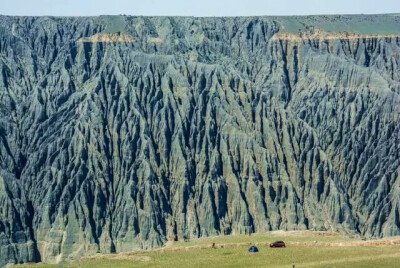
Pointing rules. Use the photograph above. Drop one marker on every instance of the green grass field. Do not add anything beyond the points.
(304, 249)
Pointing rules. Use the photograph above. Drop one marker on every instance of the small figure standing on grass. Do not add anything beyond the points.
(213, 244)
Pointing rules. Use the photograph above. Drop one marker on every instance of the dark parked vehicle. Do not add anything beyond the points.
(253, 249)
(277, 244)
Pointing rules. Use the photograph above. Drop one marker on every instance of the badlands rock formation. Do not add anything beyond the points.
(118, 133)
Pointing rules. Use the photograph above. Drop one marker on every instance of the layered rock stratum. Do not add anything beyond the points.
(119, 133)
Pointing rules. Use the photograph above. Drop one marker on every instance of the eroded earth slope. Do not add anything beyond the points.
(118, 133)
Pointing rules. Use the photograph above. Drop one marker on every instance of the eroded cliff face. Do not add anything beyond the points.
(116, 140)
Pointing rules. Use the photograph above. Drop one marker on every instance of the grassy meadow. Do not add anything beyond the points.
(304, 249)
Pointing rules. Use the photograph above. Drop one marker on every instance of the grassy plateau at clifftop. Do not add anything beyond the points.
(304, 249)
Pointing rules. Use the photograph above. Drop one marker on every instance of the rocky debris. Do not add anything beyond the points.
(320, 35)
(199, 127)
(107, 38)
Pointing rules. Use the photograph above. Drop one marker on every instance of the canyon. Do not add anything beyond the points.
(120, 133)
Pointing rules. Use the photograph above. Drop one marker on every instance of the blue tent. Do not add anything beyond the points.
(253, 249)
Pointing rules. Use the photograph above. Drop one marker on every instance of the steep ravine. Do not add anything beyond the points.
(118, 133)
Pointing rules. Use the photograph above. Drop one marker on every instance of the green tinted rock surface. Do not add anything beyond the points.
(192, 127)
